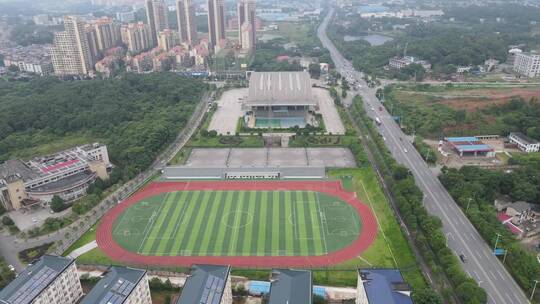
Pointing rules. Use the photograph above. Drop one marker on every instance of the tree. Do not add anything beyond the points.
(469, 292)
(315, 70)
(426, 296)
(318, 299)
(57, 204)
(401, 172)
(6, 220)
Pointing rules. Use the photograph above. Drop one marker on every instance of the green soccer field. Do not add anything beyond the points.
(237, 223)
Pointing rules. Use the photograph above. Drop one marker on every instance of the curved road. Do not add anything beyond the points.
(463, 238)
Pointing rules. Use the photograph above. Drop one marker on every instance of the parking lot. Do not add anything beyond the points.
(330, 115)
(229, 110)
(271, 157)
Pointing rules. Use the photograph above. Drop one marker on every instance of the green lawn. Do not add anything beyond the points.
(86, 238)
(390, 249)
(237, 223)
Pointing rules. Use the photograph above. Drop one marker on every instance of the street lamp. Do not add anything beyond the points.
(534, 288)
(468, 204)
(496, 242)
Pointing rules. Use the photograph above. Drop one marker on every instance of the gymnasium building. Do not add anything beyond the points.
(279, 100)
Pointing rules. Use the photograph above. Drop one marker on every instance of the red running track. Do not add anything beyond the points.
(334, 188)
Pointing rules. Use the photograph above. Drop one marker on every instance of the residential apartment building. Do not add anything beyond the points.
(187, 23)
(527, 64)
(66, 174)
(245, 12)
(524, 142)
(70, 53)
(107, 33)
(378, 286)
(51, 279)
(125, 17)
(400, 62)
(120, 285)
(216, 21)
(137, 37)
(167, 39)
(208, 284)
(290, 286)
(156, 14)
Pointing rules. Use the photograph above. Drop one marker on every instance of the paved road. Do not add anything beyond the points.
(463, 238)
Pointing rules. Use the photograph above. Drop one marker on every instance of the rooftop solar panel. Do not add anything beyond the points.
(33, 286)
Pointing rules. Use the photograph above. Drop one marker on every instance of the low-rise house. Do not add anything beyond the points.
(521, 211)
(524, 142)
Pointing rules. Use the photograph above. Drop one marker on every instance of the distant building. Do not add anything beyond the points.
(524, 142)
(382, 286)
(246, 16)
(511, 57)
(187, 22)
(120, 285)
(281, 99)
(44, 19)
(125, 17)
(32, 59)
(71, 53)
(400, 62)
(107, 33)
(137, 37)
(156, 14)
(50, 279)
(290, 286)
(216, 22)
(66, 174)
(527, 64)
(463, 69)
(207, 284)
(167, 39)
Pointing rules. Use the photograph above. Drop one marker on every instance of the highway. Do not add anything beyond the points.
(463, 238)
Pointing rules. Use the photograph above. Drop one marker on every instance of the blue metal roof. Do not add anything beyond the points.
(259, 287)
(262, 287)
(385, 286)
(471, 148)
(465, 138)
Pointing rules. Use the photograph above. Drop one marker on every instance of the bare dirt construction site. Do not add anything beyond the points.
(471, 99)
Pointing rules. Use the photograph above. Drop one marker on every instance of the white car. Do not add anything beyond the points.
(405, 150)
(11, 268)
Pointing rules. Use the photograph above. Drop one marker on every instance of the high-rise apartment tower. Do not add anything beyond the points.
(187, 24)
(71, 54)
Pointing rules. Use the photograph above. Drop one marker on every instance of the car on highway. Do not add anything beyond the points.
(405, 150)
(463, 258)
